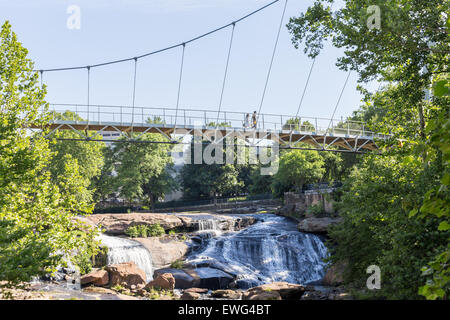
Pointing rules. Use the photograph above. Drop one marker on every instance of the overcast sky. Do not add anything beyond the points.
(119, 29)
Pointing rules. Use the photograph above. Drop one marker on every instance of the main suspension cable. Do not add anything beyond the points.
(167, 48)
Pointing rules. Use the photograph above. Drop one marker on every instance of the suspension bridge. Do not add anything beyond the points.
(92, 121)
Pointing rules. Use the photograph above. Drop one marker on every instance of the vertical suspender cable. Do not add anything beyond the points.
(226, 73)
(303, 94)
(179, 86)
(42, 86)
(273, 56)
(42, 77)
(337, 103)
(88, 87)
(134, 93)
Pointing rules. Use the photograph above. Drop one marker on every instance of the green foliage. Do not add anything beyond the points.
(156, 230)
(296, 168)
(144, 170)
(177, 264)
(209, 180)
(437, 203)
(37, 217)
(144, 231)
(395, 207)
(316, 209)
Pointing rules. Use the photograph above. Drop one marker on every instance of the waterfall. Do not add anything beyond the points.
(124, 250)
(270, 250)
(210, 226)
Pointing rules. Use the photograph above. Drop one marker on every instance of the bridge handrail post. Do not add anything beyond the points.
(263, 121)
(142, 111)
(316, 125)
(184, 116)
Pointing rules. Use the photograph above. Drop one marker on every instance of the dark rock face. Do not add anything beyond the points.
(208, 278)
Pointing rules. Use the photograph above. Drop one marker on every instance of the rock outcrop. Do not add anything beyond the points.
(97, 277)
(127, 274)
(164, 281)
(334, 275)
(227, 294)
(117, 224)
(275, 291)
(164, 251)
(190, 295)
(317, 225)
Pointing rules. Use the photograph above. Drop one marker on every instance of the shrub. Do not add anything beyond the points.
(132, 232)
(316, 209)
(144, 231)
(156, 230)
(177, 264)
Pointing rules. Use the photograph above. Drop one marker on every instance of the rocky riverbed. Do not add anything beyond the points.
(217, 256)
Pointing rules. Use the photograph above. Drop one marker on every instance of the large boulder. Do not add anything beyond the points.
(164, 251)
(286, 291)
(208, 278)
(334, 275)
(96, 277)
(127, 273)
(164, 281)
(317, 225)
(227, 294)
(190, 296)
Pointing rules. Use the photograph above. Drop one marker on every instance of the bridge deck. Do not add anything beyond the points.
(286, 138)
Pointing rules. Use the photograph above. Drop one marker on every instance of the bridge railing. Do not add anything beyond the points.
(172, 117)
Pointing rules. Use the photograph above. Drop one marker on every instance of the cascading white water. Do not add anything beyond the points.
(270, 250)
(208, 225)
(124, 250)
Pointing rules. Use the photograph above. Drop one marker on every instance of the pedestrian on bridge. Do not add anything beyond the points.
(254, 120)
(247, 121)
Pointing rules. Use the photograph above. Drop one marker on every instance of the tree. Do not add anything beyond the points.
(409, 51)
(37, 222)
(88, 155)
(409, 47)
(296, 168)
(143, 168)
(209, 180)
